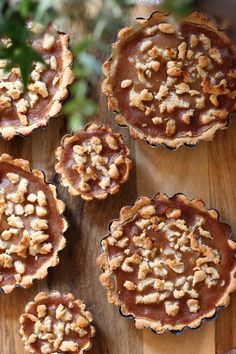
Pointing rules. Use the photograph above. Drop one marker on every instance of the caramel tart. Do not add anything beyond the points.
(22, 111)
(31, 224)
(168, 262)
(93, 162)
(56, 323)
(171, 84)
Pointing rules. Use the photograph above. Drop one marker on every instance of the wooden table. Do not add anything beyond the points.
(207, 171)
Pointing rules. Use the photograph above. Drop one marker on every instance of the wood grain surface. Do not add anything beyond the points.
(207, 171)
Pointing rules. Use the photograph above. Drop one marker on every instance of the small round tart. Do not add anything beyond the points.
(22, 111)
(56, 323)
(94, 162)
(31, 224)
(171, 85)
(168, 262)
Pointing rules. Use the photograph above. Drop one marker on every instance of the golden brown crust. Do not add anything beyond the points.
(42, 271)
(66, 78)
(108, 280)
(109, 69)
(61, 169)
(85, 322)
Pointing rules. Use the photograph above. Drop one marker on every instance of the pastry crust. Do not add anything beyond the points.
(41, 272)
(61, 168)
(108, 280)
(86, 320)
(109, 70)
(66, 78)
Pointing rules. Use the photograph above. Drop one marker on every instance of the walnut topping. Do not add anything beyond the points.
(182, 88)
(193, 41)
(40, 88)
(172, 308)
(48, 41)
(170, 127)
(182, 50)
(166, 28)
(203, 61)
(145, 95)
(126, 83)
(56, 332)
(193, 305)
(145, 46)
(13, 178)
(157, 120)
(129, 285)
(215, 54)
(69, 345)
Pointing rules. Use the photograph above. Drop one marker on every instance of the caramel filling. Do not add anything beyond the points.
(173, 84)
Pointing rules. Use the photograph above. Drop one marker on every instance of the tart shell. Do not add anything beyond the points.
(67, 77)
(108, 281)
(109, 68)
(42, 272)
(68, 296)
(59, 167)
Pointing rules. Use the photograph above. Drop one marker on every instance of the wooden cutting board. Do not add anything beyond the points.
(207, 171)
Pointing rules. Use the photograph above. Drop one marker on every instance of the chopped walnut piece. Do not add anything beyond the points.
(129, 285)
(157, 120)
(145, 46)
(170, 127)
(41, 197)
(40, 88)
(5, 102)
(143, 271)
(135, 100)
(147, 299)
(174, 71)
(48, 41)
(200, 102)
(111, 142)
(6, 261)
(205, 41)
(182, 88)
(173, 213)
(162, 93)
(126, 83)
(13, 177)
(203, 61)
(186, 117)
(193, 305)
(172, 308)
(193, 41)
(69, 346)
(215, 54)
(41, 310)
(116, 262)
(182, 50)
(19, 267)
(145, 95)
(198, 276)
(166, 28)
(114, 172)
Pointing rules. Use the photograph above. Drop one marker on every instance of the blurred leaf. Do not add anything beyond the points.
(179, 8)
